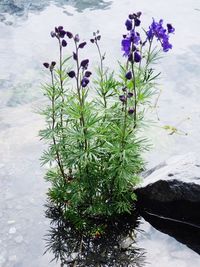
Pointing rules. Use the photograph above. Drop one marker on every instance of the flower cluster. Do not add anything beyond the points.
(60, 34)
(131, 40)
(157, 30)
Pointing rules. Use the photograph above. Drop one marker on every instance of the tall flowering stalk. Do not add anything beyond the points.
(95, 144)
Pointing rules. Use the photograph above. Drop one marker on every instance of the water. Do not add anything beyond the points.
(24, 45)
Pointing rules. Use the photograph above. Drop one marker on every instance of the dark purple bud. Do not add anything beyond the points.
(53, 34)
(75, 56)
(60, 28)
(84, 63)
(124, 89)
(88, 74)
(62, 34)
(64, 43)
(131, 111)
(46, 65)
(139, 14)
(129, 25)
(137, 22)
(53, 63)
(124, 36)
(128, 75)
(129, 95)
(76, 38)
(56, 29)
(131, 16)
(71, 74)
(99, 37)
(85, 82)
(144, 43)
(122, 98)
(170, 28)
(69, 35)
(82, 45)
(137, 57)
(92, 40)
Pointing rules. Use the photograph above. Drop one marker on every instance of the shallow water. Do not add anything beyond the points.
(24, 45)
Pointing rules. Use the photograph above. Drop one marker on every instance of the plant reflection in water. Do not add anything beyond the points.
(115, 247)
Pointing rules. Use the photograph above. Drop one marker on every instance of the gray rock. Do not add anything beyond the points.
(172, 189)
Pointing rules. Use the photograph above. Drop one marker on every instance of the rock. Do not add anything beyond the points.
(172, 189)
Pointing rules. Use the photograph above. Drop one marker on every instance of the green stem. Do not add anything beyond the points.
(58, 159)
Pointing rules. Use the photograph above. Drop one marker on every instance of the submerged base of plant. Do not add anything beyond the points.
(115, 247)
(95, 141)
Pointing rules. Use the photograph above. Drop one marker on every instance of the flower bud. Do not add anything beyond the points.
(53, 34)
(137, 22)
(75, 56)
(84, 82)
(129, 25)
(64, 43)
(76, 38)
(88, 74)
(84, 63)
(122, 98)
(82, 45)
(69, 35)
(129, 95)
(137, 57)
(131, 111)
(128, 75)
(62, 34)
(71, 74)
(46, 65)
(92, 41)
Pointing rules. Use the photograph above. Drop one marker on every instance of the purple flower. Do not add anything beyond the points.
(82, 45)
(92, 41)
(129, 25)
(137, 57)
(88, 74)
(64, 43)
(126, 46)
(71, 74)
(128, 75)
(135, 37)
(84, 63)
(85, 82)
(46, 65)
(156, 29)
